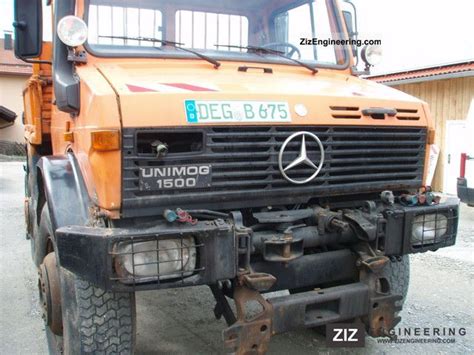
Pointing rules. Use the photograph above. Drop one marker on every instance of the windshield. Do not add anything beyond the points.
(221, 29)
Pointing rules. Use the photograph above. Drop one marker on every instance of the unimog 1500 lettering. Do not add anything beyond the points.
(182, 143)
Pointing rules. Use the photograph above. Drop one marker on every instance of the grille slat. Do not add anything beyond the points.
(371, 177)
(333, 170)
(320, 134)
(245, 160)
(345, 143)
(334, 162)
(269, 154)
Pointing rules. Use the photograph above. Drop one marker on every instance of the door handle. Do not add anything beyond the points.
(449, 158)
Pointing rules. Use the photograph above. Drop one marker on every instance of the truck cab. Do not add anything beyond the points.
(230, 144)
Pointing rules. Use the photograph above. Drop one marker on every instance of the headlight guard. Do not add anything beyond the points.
(421, 228)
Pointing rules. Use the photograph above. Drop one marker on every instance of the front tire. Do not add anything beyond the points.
(94, 321)
(397, 273)
(97, 321)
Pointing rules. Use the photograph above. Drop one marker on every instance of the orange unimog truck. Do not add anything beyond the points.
(183, 143)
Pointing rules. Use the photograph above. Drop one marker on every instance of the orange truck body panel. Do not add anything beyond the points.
(37, 98)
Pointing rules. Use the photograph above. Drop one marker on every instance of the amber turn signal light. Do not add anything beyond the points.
(105, 140)
(431, 136)
(69, 137)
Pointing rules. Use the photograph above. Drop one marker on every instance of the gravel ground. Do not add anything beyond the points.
(441, 295)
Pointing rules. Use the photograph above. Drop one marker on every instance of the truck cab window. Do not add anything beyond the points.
(123, 21)
(207, 30)
(305, 22)
(220, 29)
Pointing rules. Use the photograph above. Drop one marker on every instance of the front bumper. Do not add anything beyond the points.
(90, 252)
(221, 245)
(465, 193)
(316, 308)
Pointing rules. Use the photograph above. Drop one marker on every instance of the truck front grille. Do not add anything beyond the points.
(245, 171)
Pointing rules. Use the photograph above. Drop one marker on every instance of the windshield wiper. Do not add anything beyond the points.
(264, 50)
(165, 42)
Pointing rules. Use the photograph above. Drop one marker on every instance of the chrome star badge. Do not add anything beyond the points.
(302, 158)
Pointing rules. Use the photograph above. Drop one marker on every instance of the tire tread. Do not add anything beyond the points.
(106, 320)
(398, 275)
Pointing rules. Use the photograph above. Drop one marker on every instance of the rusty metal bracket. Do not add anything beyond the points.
(382, 316)
(330, 221)
(283, 249)
(251, 333)
(79, 57)
(243, 236)
(259, 281)
(364, 228)
(375, 263)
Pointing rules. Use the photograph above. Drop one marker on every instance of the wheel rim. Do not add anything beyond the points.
(50, 295)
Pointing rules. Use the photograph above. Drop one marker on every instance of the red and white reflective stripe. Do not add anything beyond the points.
(135, 88)
(169, 87)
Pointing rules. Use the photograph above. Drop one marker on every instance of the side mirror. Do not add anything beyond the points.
(349, 23)
(28, 28)
(350, 28)
(7, 117)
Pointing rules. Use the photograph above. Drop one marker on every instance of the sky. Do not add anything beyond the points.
(417, 33)
(414, 33)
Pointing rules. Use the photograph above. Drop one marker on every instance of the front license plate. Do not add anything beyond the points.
(175, 177)
(236, 111)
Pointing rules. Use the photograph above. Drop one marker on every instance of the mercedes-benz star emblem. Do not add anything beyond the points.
(302, 157)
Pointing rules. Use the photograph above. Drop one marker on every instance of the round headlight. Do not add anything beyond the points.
(72, 31)
(372, 55)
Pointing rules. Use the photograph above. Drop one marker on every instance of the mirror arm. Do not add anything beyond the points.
(356, 32)
(35, 61)
(356, 72)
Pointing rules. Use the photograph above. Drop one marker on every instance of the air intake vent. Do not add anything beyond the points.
(407, 114)
(345, 112)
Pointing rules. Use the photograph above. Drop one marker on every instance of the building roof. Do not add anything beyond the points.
(11, 65)
(437, 72)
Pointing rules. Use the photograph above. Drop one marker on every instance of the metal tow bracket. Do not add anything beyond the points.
(382, 309)
(259, 281)
(251, 333)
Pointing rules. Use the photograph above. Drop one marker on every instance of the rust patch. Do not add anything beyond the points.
(249, 335)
